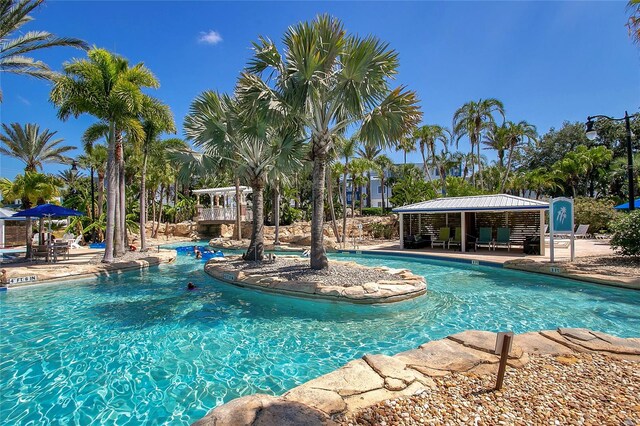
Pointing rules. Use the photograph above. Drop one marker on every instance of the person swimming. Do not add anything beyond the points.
(197, 252)
(191, 286)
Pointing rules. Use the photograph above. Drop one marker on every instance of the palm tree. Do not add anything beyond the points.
(156, 118)
(496, 139)
(346, 150)
(331, 81)
(369, 151)
(13, 15)
(427, 136)
(516, 134)
(383, 165)
(472, 119)
(445, 161)
(633, 24)
(96, 157)
(406, 144)
(31, 147)
(106, 87)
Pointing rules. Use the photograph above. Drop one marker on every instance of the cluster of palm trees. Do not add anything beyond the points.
(293, 107)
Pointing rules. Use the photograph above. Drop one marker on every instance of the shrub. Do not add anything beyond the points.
(381, 230)
(626, 234)
(372, 211)
(289, 214)
(599, 214)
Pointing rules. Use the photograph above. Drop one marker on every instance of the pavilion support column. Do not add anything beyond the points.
(419, 224)
(401, 227)
(463, 233)
(542, 243)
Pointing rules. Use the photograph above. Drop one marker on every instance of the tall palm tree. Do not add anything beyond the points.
(13, 46)
(96, 157)
(383, 165)
(633, 24)
(445, 161)
(369, 151)
(32, 147)
(427, 137)
(472, 119)
(156, 119)
(330, 81)
(516, 134)
(105, 86)
(346, 150)
(496, 138)
(406, 144)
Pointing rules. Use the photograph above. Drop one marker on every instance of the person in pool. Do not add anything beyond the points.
(191, 286)
(197, 252)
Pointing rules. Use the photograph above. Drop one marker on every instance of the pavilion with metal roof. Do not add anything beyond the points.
(523, 216)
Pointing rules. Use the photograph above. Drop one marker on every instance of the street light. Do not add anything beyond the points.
(592, 134)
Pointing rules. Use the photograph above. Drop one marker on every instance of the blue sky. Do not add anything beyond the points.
(547, 61)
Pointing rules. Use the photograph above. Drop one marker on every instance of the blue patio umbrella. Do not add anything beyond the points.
(625, 206)
(48, 210)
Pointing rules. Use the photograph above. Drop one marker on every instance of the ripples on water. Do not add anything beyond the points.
(138, 348)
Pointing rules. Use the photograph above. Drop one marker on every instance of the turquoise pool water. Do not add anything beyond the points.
(138, 348)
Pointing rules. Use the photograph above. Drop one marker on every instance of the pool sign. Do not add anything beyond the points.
(561, 222)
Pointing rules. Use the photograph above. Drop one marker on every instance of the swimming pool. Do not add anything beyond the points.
(138, 348)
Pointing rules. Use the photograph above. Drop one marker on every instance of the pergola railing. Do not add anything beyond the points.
(222, 205)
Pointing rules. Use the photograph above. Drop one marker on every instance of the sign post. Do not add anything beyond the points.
(503, 347)
(561, 220)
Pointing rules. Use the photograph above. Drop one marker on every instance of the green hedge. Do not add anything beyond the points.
(599, 214)
(372, 211)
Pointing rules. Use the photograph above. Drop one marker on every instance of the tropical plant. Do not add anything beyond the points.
(409, 187)
(31, 188)
(474, 118)
(516, 135)
(427, 136)
(444, 161)
(626, 234)
(345, 150)
(383, 166)
(369, 151)
(95, 158)
(14, 44)
(32, 147)
(330, 81)
(599, 214)
(82, 90)
(406, 144)
(633, 24)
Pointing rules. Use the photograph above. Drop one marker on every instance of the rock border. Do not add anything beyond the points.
(406, 286)
(375, 378)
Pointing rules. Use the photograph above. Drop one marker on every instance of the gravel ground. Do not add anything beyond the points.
(582, 390)
(614, 265)
(338, 274)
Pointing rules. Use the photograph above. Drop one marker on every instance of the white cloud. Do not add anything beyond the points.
(210, 37)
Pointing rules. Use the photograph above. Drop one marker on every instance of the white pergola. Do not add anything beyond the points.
(498, 203)
(222, 203)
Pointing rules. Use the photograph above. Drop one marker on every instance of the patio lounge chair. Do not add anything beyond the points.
(484, 238)
(417, 241)
(75, 243)
(581, 232)
(443, 238)
(503, 239)
(60, 249)
(456, 241)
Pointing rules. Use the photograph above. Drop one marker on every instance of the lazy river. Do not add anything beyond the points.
(139, 348)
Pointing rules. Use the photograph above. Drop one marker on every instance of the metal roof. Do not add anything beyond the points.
(497, 202)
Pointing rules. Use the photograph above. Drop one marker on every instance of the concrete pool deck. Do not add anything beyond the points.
(78, 265)
(515, 259)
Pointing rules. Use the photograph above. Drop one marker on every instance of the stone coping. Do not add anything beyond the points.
(406, 286)
(52, 273)
(375, 378)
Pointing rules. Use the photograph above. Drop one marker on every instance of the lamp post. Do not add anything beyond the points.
(592, 134)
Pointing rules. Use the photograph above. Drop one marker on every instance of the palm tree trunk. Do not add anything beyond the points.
(256, 246)
(238, 233)
(100, 194)
(121, 210)
(175, 201)
(112, 183)
(506, 172)
(318, 257)
(382, 192)
(28, 236)
(160, 205)
(478, 160)
(344, 203)
(334, 225)
(353, 197)
(153, 211)
(143, 201)
(276, 212)
(368, 189)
